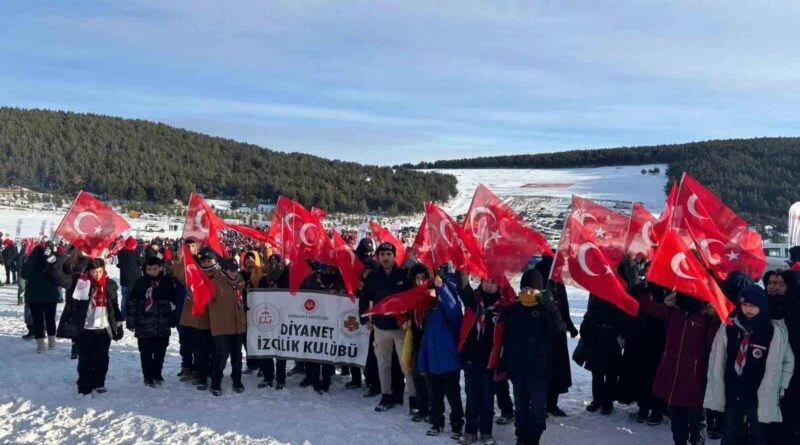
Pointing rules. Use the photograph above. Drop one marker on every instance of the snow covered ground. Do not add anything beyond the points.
(38, 402)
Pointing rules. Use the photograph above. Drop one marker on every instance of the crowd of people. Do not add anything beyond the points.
(676, 359)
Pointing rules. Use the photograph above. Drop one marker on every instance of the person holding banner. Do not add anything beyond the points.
(389, 280)
(277, 276)
(228, 322)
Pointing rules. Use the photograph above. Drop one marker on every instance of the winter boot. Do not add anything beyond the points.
(29, 335)
(265, 384)
(457, 428)
(412, 406)
(387, 403)
(352, 385)
(216, 389)
(238, 388)
(505, 418)
(202, 384)
(488, 440)
(39, 345)
(73, 352)
(51, 342)
(186, 374)
(593, 407)
(434, 431)
(467, 439)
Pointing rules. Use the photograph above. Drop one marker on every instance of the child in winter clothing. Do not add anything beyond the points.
(438, 356)
(151, 316)
(750, 367)
(530, 328)
(99, 324)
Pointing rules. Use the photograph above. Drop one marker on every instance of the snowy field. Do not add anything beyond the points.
(38, 402)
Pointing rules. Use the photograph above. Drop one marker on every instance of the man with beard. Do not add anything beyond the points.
(389, 280)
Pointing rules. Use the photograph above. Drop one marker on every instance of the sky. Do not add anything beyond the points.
(388, 82)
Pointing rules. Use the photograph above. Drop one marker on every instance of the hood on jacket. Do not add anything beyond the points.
(130, 243)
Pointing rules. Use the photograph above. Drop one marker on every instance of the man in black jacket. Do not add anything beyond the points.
(130, 263)
(379, 285)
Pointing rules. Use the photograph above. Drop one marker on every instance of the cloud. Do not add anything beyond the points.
(416, 79)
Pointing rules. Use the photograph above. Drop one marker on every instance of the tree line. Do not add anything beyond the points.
(757, 177)
(137, 160)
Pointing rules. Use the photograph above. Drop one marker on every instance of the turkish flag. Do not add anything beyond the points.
(422, 245)
(319, 213)
(588, 267)
(198, 283)
(302, 238)
(249, 232)
(696, 205)
(743, 252)
(447, 243)
(496, 231)
(609, 230)
(203, 224)
(91, 225)
(640, 240)
(416, 298)
(381, 235)
(607, 226)
(349, 265)
(665, 218)
(675, 267)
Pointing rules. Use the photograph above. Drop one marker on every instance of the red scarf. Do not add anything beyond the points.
(99, 296)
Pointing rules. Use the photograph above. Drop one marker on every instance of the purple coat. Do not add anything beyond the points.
(681, 376)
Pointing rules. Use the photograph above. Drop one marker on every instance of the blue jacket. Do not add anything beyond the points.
(438, 351)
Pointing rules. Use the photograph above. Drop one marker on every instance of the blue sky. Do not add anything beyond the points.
(404, 81)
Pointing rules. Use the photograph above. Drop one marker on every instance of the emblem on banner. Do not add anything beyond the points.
(351, 323)
(310, 305)
(266, 317)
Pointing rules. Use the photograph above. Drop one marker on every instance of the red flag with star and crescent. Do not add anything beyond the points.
(609, 229)
(664, 221)
(640, 240)
(203, 224)
(349, 265)
(91, 225)
(585, 264)
(676, 268)
(500, 234)
(447, 244)
(696, 205)
(199, 284)
(302, 238)
(415, 298)
(422, 246)
(381, 235)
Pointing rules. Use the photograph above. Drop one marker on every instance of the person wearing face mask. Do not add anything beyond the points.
(99, 324)
(681, 377)
(782, 301)
(151, 305)
(531, 327)
(750, 368)
(228, 323)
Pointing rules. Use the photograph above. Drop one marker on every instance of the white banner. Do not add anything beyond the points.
(310, 326)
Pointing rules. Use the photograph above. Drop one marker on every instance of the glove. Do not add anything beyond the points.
(573, 332)
(51, 259)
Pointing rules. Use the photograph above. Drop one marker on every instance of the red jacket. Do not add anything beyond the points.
(681, 376)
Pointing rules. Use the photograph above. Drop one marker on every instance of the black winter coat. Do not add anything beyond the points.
(42, 279)
(380, 285)
(529, 334)
(130, 265)
(10, 254)
(160, 318)
(601, 329)
(72, 322)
